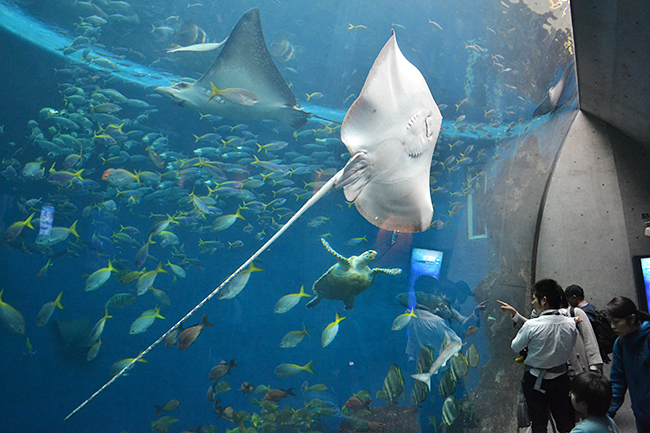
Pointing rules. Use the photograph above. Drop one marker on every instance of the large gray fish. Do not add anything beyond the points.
(449, 349)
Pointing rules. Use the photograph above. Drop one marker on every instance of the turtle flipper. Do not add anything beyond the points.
(342, 260)
(314, 302)
(349, 302)
(392, 271)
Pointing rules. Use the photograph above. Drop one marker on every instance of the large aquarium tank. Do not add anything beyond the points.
(136, 179)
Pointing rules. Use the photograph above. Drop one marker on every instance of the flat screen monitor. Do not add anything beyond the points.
(425, 262)
(642, 276)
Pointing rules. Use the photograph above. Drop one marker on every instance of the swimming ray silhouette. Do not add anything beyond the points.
(244, 64)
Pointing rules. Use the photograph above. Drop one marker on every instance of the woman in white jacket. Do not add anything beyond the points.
(586, 354)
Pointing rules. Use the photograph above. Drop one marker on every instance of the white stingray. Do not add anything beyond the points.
(391, 132)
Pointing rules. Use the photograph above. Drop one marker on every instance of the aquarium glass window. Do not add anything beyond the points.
(149, 150)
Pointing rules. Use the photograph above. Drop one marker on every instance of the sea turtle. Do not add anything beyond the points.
(347, 278)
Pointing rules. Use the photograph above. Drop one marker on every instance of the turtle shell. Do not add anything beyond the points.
(346, 279)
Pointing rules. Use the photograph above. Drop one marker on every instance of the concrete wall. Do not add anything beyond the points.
(584, 237)
(633, 170)
(592, 225)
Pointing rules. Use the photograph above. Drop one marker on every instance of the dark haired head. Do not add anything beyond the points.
(594, 389)
(564, 302)
(427, 283)
(551, 290)
(575, 290)
(462, 291)
(622, 307)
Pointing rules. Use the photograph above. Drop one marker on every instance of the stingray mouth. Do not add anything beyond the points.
(168, 93)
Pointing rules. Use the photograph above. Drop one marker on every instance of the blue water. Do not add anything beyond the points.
(465, 65)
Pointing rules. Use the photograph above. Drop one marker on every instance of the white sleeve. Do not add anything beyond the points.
(589, 338)
(521, 340)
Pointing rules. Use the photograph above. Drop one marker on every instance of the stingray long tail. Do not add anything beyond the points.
(324, 118)
(321, 192)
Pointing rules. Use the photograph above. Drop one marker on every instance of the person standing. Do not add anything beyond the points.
(575, 296)
(605, 337)
(630, 359)
(549, 340)
(585, 355)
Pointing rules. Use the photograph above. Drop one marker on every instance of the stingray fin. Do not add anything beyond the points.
(295, 117)
(355, 176)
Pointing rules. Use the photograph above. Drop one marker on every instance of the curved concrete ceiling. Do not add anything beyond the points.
(612, 43)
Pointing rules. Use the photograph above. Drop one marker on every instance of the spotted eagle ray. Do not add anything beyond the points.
(244, 64)
(391, 132)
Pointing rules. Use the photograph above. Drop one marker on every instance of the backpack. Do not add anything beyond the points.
(603, 332)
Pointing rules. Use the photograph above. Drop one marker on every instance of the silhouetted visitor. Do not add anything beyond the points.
(630, 359)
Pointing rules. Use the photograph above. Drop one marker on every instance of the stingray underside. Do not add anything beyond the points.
(391, 131)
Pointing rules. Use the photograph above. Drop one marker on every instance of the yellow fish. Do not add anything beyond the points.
(98, 329)
(291, 339)
(329, 333)
(16, 228)
(47, 310)
(286, 370)
(99, 277)
(44, 269)
(355, 241)
(94, 350)
(177, 270)
(225, 221)
(315, 95)
(11, 317)
(234, 95)
(238, 283)
(147, 279)
(119, 365)
(289, 301)
(29, 347)
(357, 27)
(403, 319)
(146, 319)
